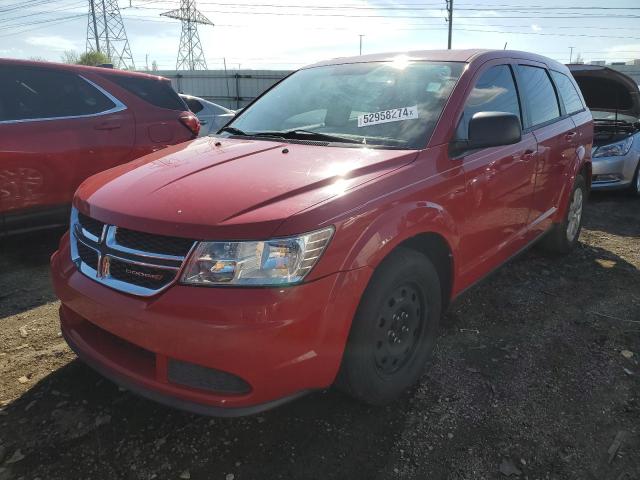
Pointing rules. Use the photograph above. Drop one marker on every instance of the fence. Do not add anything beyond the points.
(234, 89)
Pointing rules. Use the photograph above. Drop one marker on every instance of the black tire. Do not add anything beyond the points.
(635, 184)
(400, 310)
(562, 238)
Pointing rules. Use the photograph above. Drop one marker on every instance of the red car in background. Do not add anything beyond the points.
(60, 124)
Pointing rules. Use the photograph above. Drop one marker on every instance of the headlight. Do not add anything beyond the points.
(280, 261)
(615, 149)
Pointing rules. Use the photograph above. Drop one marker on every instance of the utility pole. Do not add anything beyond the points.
(450, 20)
(190, 54)
(570, 54)
(106, 33)
(361, 43)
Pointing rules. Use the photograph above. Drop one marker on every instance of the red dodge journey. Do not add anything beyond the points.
(318, 237)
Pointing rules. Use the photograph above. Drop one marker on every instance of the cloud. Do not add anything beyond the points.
(52, 42)
(536, 28)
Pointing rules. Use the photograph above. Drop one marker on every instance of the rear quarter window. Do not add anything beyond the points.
(568, 94)
(156, 92)
(39, 93)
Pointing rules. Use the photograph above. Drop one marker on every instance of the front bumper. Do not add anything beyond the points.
(281, 341)
(613, 173)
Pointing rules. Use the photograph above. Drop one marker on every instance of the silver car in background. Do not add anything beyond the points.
(211, 115)
(614, 101)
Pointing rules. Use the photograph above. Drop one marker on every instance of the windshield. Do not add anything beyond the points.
(394, 104)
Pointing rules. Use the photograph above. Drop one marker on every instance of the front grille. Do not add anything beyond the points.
(149, 242)
(93, 226)
(134, 262)
(88, 255)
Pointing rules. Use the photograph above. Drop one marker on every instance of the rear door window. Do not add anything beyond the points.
(39, 93)
(156, 92)
(568, 94)
(495, 91)
(539, 95)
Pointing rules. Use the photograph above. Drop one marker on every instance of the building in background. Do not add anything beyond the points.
(232, 89)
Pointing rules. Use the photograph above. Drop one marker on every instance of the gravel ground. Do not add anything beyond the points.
(536, 375)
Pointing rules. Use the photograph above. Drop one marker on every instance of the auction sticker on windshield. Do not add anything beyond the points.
(385, 116)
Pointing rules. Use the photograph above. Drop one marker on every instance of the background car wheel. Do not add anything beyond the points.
(635, 185)
(394, 329)
(563, 237)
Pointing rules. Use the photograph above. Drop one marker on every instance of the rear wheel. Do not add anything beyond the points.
(394, 329)
(563, 237)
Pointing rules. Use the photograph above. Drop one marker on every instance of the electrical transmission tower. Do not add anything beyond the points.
(190, 55)
(106, 34)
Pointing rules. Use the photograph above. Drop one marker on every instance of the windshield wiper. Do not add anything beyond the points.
(234, 131)
(291, 134)
(308, 134)
(304, 135)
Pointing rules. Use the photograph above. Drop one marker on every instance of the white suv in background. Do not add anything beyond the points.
(211, 115)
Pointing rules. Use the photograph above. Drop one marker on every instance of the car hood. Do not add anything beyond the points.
(607, 89)
(229, 188)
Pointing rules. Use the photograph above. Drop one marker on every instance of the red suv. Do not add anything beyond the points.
(319, 236)
(59, 124)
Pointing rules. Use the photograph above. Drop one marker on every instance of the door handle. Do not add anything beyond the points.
(570, 135)
(107, 126)
(528, 154)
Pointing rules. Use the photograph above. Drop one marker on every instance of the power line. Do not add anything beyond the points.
(422, 27)
(19, 24)
(46, 23)
(401, 7)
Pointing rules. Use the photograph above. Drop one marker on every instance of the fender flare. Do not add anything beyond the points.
(582, 162)
(396, 225)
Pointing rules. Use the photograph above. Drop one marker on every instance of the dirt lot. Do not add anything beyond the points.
(536, 374)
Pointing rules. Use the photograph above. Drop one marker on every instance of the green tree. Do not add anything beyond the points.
(70, 56)
(87, 58)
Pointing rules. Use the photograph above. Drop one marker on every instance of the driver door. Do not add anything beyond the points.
(500, 181)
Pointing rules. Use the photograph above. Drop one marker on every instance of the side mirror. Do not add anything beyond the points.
(490, 129)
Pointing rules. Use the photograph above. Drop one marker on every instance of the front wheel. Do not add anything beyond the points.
(563, 237)
(393, 332)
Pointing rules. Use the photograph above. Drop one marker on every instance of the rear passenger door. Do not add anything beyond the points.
(573, 105)
(56, 129)
(556, 135)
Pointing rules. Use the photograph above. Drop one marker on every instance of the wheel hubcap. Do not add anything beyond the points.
(398, 329)
(575, 215)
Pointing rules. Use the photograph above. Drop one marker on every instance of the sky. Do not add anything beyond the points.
(287, 34)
